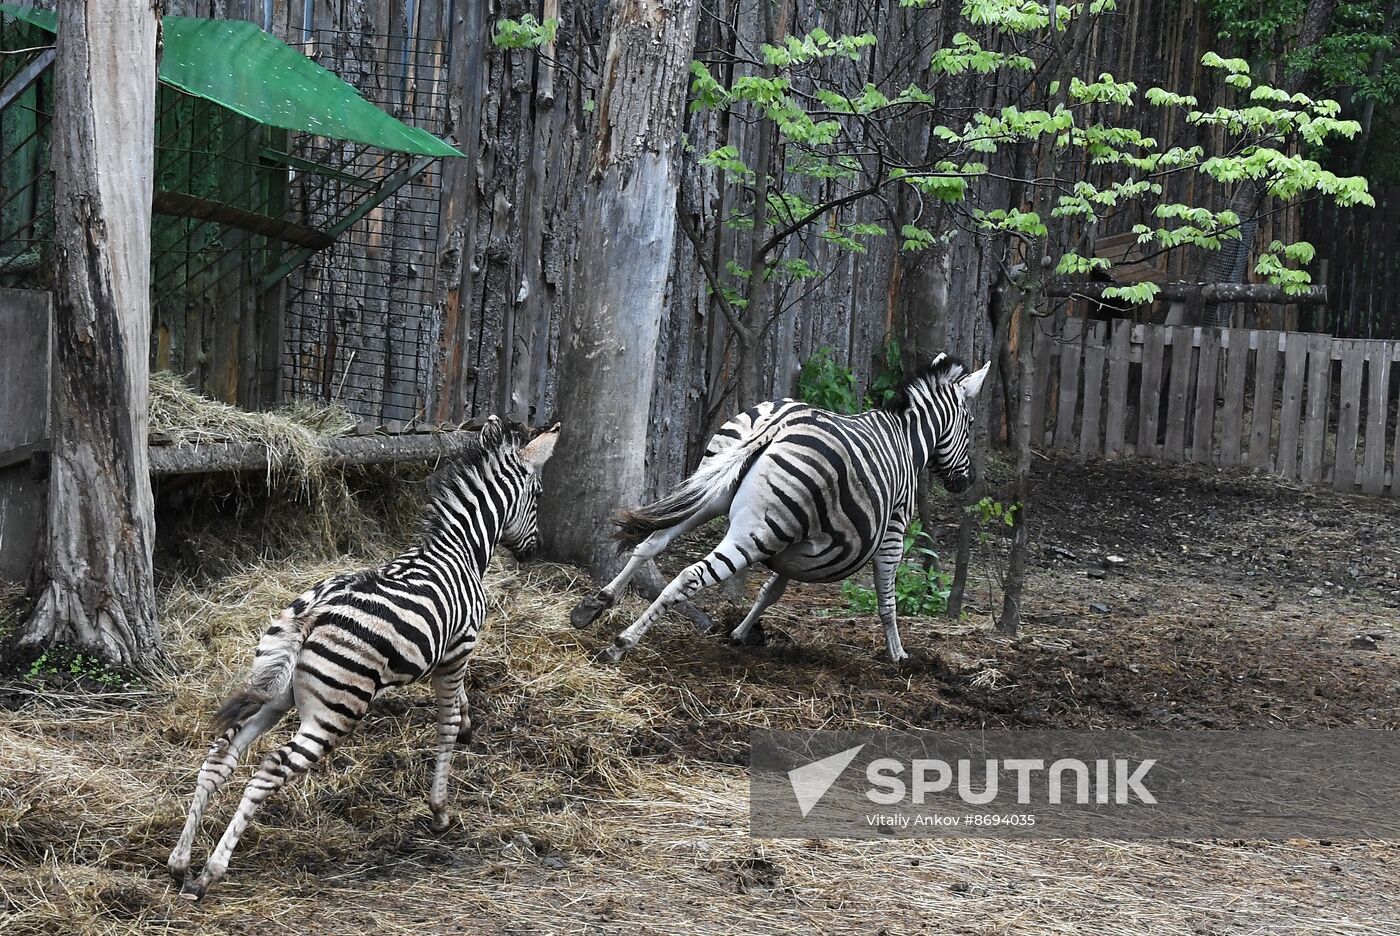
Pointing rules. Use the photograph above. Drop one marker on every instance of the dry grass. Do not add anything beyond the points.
(292, 436)
(568, 820)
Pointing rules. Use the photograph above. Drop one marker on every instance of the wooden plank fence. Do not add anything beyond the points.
(1307, 407)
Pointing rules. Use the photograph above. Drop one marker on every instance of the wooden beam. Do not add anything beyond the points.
(188, 206)
(1202, 292)
(277, 157)
(212, 457)
(27, 76)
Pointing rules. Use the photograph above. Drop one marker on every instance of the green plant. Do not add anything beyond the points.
(888, 380)
(990, 511)
(825, 384)
(61, 663)
(525, 33)
(921, 587)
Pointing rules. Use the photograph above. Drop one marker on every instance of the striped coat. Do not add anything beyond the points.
(347, 639)
(810, 494)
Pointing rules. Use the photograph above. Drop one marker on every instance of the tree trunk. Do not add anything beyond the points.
(1010, 620)
(1003, 306)
(625, 238)
(95, 589)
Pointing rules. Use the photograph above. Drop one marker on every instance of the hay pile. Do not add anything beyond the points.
(292, 434)
(298, 471)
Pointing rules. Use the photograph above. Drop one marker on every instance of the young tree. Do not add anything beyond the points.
(94, 587)
(1088, 162)
(608, 346)
(1066, 149)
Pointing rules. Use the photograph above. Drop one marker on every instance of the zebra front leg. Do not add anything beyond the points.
(768, 595)
(218, 766)
(725, 560)
(452, 717)
(320, 729)
(886, 562)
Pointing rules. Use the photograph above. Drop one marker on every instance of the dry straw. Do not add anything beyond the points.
(580, 808)
(293, 437)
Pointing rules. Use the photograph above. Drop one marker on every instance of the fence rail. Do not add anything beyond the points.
(1308, 407)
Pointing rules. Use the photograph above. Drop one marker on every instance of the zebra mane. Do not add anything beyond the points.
(442, 484)
(942, 370)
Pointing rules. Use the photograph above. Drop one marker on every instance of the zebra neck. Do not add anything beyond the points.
(921, 430)
(465, 529)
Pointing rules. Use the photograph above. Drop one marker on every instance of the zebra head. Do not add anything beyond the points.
(520, 468)
(938, 402)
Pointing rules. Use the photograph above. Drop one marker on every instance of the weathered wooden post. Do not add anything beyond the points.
(97, 593)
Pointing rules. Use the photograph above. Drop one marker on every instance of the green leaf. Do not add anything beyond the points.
(524, 33)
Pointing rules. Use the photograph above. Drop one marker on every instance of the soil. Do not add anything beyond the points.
(1183, 598)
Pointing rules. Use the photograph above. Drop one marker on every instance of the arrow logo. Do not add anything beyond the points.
(811, 781)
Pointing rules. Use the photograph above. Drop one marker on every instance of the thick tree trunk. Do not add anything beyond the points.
(626, 238)
(1003, 305)
(95, 589)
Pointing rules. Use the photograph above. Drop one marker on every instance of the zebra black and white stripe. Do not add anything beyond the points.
(346, 640)
(812, 495)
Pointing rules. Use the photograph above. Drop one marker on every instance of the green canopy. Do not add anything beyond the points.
(238, 66)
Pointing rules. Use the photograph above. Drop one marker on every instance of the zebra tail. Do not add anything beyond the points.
(717, 478)
(271, 677)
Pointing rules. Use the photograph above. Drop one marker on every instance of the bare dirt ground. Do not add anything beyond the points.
(614, 800)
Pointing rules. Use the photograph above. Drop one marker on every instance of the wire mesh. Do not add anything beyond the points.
(26, 198)
(237, 204)
(361, 315)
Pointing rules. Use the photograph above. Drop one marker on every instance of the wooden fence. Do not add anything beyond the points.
(1309, 407)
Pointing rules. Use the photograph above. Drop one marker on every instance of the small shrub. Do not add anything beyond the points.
(887, 381)
(63, 664)
(990, 512)
(825, 384)
(921, 587)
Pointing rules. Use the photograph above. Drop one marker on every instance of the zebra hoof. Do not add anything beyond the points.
(440, 822)
(587, 611)
(178, 871)
(195, 890)
(754, 638)
(612, 653)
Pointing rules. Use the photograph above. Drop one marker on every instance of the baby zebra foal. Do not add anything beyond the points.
(352, 636)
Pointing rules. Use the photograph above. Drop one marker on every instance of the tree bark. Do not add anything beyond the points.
(626, 238)
(95, 590)
(1010, 620)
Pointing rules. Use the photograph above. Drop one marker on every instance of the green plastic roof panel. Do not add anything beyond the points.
(238, 66)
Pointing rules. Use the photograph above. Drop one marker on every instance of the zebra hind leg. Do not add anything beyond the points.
(723, 561)
(452, 721)
(590, 609)
(318, 733)
(218, 766)
(768, 596)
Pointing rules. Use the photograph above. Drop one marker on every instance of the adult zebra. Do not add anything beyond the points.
(812, 495)
(350, 637)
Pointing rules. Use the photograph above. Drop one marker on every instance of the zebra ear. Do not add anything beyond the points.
(492, 434)
(971, 384)
(540, 448)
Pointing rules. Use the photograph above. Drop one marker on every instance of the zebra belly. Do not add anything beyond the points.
(814, 560)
